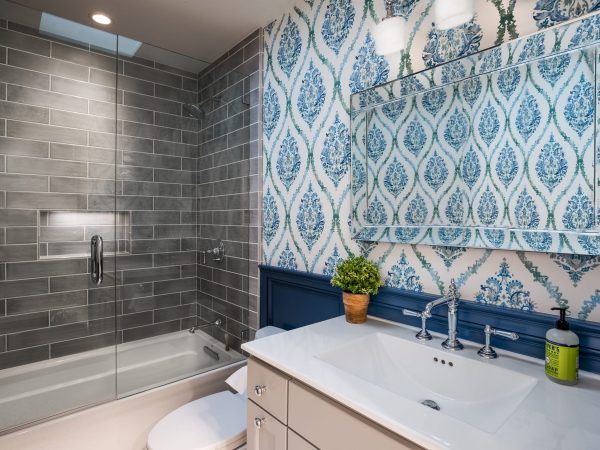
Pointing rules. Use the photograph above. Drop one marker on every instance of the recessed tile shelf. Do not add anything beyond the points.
(67, 234)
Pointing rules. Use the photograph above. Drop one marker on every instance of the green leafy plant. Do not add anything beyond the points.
(357, 275)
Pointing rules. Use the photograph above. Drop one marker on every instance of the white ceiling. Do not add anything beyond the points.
(203, 29)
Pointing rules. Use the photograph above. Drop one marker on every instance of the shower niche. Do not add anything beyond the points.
(67, 234)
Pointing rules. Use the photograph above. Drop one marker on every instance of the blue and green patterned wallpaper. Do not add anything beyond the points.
(315, 57)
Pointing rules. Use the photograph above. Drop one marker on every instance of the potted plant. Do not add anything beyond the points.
(358, 278)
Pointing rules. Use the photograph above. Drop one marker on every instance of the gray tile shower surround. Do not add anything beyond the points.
(229, 186)
(57, 138)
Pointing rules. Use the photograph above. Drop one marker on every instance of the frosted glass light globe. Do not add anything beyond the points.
(452, 13)
(390, 35)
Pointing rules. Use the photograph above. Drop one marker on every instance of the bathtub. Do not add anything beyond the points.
(40, 390)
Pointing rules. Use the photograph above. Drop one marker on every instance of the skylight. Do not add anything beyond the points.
(83, 34)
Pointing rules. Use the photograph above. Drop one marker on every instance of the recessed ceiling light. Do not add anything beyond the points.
(102, 19)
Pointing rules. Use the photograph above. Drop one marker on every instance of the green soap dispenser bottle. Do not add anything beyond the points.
(562, 352)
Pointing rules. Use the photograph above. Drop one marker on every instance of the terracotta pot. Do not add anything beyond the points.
(355, 306)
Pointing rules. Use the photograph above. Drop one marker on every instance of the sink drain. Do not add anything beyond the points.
(431, 404)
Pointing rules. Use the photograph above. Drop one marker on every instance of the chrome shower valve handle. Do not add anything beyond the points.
(217, 252)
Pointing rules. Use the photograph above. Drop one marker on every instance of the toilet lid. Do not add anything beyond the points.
(217, 421)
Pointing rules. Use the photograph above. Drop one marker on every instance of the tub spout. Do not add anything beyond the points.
(216, 323)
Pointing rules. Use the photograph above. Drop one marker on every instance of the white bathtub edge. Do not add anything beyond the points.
(117, 425)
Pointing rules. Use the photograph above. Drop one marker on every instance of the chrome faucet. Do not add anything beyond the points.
(451, 299)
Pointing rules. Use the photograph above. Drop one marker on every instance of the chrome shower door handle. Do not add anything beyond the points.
(97, 259)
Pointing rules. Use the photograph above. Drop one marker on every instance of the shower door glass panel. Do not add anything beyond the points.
(57, 191)
(160, 115)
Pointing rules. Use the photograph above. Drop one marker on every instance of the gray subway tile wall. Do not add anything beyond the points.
(57, 153)
(230, 92)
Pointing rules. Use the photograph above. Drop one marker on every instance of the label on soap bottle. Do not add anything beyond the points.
(562, 361)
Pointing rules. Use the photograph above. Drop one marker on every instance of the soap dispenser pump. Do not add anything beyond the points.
(562, 352)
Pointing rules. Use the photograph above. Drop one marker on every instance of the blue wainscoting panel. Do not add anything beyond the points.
(291, 299)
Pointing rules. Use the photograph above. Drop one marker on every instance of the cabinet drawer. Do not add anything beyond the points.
(331, 426)
(268, 388)
(295, 442)
(265, 432)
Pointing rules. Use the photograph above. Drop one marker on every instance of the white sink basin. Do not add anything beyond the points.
(474, 392)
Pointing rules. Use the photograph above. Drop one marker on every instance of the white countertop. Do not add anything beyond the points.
(551, 417)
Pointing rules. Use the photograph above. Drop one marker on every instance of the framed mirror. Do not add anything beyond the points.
(495, 150)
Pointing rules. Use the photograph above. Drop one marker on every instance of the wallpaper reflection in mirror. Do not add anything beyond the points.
(500, 160)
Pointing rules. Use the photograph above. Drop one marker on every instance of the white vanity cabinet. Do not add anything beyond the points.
(285, 414)
(265, 432)
(296, 442)
(268, 388)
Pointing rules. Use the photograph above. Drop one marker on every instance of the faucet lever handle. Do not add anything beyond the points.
(506, 334)
(423, 334)
(487, 351)
(410, 312)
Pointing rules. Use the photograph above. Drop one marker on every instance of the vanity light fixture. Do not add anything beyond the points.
(452, 13)
(390, 33)
(102, 19)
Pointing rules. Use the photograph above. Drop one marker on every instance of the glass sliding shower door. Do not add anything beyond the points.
(159, 118)
(57, 192)
(127, 214)
(228, 185)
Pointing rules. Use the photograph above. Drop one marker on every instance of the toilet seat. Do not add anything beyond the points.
(215, 422)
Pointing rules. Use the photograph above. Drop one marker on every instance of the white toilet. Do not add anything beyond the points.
(214, 422)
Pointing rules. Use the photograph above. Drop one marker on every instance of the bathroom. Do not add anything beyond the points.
(299, 224)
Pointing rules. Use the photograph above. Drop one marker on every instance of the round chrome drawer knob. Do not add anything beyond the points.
(259, 390)
(259, 422)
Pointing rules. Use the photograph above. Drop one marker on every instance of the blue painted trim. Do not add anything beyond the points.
(290, 299)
